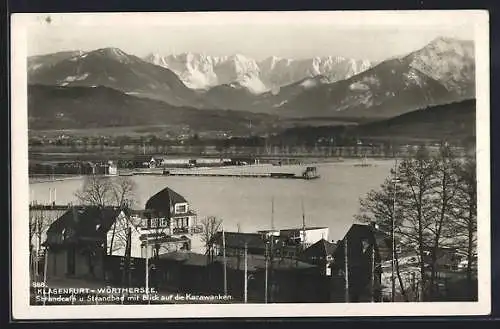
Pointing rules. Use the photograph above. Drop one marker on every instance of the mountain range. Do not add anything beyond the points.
(113, 68)
(199, 71)
(441, 72)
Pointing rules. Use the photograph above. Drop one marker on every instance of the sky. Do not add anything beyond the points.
(289, 35)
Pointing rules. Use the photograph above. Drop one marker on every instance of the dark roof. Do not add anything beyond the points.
(143, 158)
(163, 200)
(238, 240)
(254, 262)
(258, 262)
(86, 222)
(322, 247)
(187, 258)
(381, 240)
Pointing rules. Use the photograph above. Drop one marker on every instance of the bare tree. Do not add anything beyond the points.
(436, 208)
(96, 191)
(32, 230)
(123, 190)
(104, 191)
(210, 226)
(464, 225)
(123, 196)
(39, 222)
(445, 193)
(117, 192)
(416, 175)
(379, 207)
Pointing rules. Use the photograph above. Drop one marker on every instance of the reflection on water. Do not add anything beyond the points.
(330, 201)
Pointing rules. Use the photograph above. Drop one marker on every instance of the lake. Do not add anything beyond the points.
(330, 201)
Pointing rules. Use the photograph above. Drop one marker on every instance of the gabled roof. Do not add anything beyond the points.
(89, 222)
(163, 200)
(358, 233)
(381, 238)
(322, 248)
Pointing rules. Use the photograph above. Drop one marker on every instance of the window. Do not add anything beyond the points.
(364, 245)
(182, 208)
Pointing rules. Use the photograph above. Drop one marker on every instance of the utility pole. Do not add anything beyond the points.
(303, 225)
(346, 265)
(129, 258)
(373, 272)
(246, 273)
(393, 228)
(147, 267)
(225, 261)
(45, 266)
(265, 282)
(272, 215)
(267, 256)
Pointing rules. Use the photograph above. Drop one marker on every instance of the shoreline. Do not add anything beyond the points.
(230, 170)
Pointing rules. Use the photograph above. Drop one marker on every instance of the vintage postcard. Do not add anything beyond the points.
(262, 164)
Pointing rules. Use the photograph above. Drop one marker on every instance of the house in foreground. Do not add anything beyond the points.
(320, 254)
(367, 248)
(76, 242)
(166, 224)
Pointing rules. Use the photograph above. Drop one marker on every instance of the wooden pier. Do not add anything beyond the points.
(305, 173)
(242, 175)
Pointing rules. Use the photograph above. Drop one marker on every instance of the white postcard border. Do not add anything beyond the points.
(20, 183)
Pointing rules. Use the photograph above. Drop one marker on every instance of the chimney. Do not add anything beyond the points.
(374, 225)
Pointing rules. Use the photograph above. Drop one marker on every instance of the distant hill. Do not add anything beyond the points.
(59, 107)
(113, 68)
(454, 121)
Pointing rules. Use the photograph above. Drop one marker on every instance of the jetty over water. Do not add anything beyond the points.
(258, 171)
(270, 175)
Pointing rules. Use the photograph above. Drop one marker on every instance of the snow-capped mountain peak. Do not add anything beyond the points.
(448, 60)
(200, 71)
(114, 53)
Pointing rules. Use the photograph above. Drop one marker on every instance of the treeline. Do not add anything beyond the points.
(303, 137)
(429, 203)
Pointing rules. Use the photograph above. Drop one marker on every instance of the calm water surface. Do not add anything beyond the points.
(330, 201)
